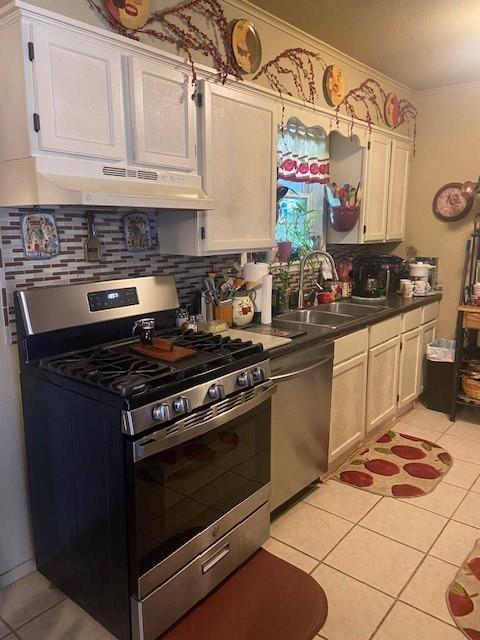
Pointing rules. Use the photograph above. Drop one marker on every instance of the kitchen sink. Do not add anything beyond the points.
(353, 309)
(315, 317)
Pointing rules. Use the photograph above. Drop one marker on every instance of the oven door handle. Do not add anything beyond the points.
(300, 372)
(158, 442)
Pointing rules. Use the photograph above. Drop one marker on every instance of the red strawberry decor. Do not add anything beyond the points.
(446, 458)
(422, 470)
(409, 453)
(406, 491)
(474, 566)
(357, 478)
(473, 634)
(382, 467)
(397, 465)
(461, 604)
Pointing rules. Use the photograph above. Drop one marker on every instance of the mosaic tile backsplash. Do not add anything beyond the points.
(70, 265)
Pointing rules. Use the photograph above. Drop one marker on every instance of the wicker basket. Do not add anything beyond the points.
(471, 386)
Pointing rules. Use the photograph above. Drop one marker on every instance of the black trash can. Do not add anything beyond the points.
(438, 392)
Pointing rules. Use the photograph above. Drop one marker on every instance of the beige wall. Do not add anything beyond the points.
(448, 150)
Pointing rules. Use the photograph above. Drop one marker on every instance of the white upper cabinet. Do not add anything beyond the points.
(163, 115)
(239, 136)
(78, 94)
(375, 205)
(397, 199)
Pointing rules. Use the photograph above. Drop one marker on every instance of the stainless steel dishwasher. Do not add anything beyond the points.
(300, 420)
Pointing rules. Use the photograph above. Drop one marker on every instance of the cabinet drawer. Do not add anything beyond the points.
(350, 346)
(412, 319)
(385, 330)
(430, 312)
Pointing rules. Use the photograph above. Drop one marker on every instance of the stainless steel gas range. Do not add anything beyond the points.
(149, 480)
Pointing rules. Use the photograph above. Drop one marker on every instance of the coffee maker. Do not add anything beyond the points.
(376, 276)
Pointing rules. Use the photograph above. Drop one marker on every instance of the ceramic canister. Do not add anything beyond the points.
(242, 310)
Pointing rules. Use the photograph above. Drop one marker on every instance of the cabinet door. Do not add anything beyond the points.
(239, 168)
(410, 361)
(163, 114)
(397, 196)
(375, 203)
(382, 382)
(79, 95)
(429, 333)
(347, 416)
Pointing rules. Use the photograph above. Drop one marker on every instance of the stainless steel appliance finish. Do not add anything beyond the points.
(300, 420)
(51, 308)
(175, 406)
(183, 486)
(316, 317)
(159, 610)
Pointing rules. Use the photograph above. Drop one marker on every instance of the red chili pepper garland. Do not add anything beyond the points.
(178, 28)
(372, 96)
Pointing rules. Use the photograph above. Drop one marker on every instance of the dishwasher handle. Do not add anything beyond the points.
(300, 372)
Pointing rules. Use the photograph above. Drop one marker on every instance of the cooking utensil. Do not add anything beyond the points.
(93, 246)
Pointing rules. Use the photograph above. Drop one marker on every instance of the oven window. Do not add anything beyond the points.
(183, 490)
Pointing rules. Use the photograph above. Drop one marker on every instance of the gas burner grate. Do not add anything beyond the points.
(122, 372)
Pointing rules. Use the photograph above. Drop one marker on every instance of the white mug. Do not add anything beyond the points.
(403, 282)
(421, 287)
(408, 289)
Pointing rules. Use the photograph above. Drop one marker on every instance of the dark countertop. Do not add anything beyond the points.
(395, 304)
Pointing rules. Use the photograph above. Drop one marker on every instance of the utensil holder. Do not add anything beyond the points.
(224, 311)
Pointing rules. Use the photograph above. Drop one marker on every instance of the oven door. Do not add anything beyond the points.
(198, 479)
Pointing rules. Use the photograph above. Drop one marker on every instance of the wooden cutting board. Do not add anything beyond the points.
(163, 350)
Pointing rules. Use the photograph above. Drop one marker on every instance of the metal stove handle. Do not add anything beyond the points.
(157, 442)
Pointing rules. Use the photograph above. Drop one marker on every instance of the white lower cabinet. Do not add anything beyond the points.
(347, 418)
(383, 361)
(410, 364)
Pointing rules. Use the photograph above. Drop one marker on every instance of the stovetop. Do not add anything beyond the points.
(113, 367)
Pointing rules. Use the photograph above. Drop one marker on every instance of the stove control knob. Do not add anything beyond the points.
(217, 392)
(162, 413)
(181, 405)
(259, 374)
(246, 379)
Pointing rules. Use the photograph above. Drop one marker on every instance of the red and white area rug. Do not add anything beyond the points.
(463, 595)
(397, 465)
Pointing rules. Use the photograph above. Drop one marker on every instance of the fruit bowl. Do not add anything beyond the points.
(344, 218)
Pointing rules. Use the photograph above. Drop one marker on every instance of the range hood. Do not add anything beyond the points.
(43, 180)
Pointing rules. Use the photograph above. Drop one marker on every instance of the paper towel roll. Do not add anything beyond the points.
(267, 299)
(254, 272)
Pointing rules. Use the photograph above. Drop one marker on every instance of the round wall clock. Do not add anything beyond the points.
(333, 85)
(451, 203)
(246, 46)
(132, 14)
(392, 111)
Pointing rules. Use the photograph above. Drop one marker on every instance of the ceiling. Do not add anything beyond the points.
(421, 43)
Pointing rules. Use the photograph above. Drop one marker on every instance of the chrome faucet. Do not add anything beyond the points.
(316, 252)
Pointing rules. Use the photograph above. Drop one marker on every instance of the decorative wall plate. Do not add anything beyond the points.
(333, 85)
(138, 236)
(392, 111)
(132, 14)
(451, 203)
(246, 46)
(40, 236)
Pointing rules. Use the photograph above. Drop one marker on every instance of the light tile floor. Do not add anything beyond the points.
(383, 563)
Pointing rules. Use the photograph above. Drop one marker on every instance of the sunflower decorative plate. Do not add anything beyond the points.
(333, 85)
(246, 46)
